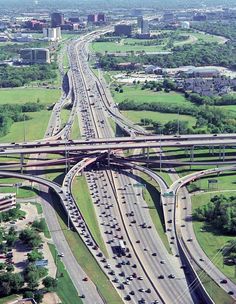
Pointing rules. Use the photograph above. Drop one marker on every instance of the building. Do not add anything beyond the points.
(139, 21)
(35, 56)
(203, 72)
(52, 34)
(35, 24)
(185, 25)
(7, 201)
(24, 301)
(101, 18)
(168, 17)
(92, 18)
(57, 19)
(123, 30)
(199, 17)
(145, 27)
(20, 37)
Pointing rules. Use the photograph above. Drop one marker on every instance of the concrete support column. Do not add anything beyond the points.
(223, 153)
(21, 162)
(109, 158)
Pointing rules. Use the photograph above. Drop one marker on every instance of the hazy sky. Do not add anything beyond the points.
(112, 3)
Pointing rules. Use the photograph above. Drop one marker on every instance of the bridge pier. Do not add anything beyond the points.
(223, 153)
(191, 156)
(109, 158)
(21, 162)
(148, 155)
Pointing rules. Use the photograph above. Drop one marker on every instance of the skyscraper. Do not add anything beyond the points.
(57, 19)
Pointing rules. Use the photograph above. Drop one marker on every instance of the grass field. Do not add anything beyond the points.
(152, 198)
(23, 95)
(65, 288)
(81, 194)
(212, 241)
(86, 260)
(163, 118)
(218, 295)
(140, 96)
(7, 299)
(23, 192)
(34, 128)
(137, 45)
(75, 131)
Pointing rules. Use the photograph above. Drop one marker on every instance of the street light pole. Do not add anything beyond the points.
(24, 128)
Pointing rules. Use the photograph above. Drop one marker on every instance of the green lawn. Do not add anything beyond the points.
(212, 241)
(218, 295)
(65, 114)
(138, 45)
(86, 260)
(75, 131)
(65, 288)
(81, 194)
(34, 128)
(152, 197)
(23, 95)
(231, 110)
(163, 118)
(23, 192)
(7, 299)
(140, 96)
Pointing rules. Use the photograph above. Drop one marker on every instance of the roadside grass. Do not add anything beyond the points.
(7, 299)
(38, 207)
(23, 95)
(86, 260)
(34, 128)
(75, 131)
(135, 93)
(165, 175)
(81, 194)
(162, 118)
(65, 114)
(218, 295)
(151, 196)
(210, 240)
(65, 288)
(46, 231)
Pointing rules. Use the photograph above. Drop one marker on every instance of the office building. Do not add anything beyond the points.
(52, 34)
(35, 56)
(123, 30)
(57, 19)
(199, 17)
(7, 201)
(185, 25)
(92, 18)
(145, 27)
(168, 17)
(101, 17)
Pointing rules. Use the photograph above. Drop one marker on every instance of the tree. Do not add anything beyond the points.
(50, 283)
(10, 268)
(38, 297)
(34, 255)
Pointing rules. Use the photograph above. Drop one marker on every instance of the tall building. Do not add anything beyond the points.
(101, 17)
(123, 30)
(139, 21)
(199, 17)
(92, 18)
(52, 34)
(57, 19)
(145, 27)
(35, 55)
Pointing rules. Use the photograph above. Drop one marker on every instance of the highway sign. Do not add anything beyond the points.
(140, 185)
(212, 181)
(168, 194)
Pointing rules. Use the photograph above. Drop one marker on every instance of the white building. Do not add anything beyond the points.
(7, 201)
(52, 33)
(185, 25)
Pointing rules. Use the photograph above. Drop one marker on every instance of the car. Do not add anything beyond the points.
(82, 296)
(223, 281)
(132, 292)
(169, 221)
(161, 276)
(140, 278)
(128, 298)
(85, 279)
(61, 255)
(162, 262)
(171, 276)
(154, 254)
(190, 240)
(141, 290)
(148, 290)
(231, 292)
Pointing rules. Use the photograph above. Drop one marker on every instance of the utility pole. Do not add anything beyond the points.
(24, 128)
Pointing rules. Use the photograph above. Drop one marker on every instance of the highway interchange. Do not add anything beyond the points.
(147, 273)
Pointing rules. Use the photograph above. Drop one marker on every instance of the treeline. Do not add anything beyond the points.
(229, 99)
(209, 119)
(10, 113)
(198, 54)
(227, 30)
(220, 213)
(11, 51)
(19, 76)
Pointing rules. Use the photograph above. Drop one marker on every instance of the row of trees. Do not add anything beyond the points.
(10, 113)
(229, 99)
(209, 119)
(20, 76)
(198, 54)
(220, 213)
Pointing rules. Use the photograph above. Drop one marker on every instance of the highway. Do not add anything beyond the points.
(146, 272)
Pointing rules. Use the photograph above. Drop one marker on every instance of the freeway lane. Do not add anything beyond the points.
(120, 146)
(152, 138)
